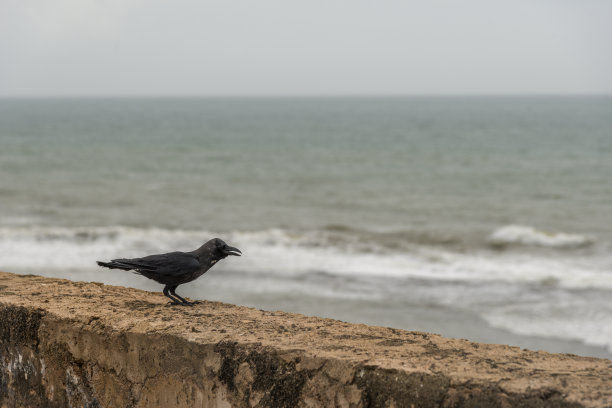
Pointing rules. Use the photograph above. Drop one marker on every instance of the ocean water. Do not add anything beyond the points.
(480, 218)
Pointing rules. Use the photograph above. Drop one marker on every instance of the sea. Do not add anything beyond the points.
(486, 218)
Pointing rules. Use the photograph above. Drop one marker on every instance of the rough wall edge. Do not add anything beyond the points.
(216, 374)
(20, 324)
(20, 383)
(380, 386)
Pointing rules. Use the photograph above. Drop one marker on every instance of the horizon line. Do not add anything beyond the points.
(309, 96)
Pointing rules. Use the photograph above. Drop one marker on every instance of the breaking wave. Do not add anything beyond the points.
(287, 252)
(529, 236)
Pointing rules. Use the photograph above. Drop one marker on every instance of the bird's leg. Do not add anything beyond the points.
(185, 302)
(174, 300)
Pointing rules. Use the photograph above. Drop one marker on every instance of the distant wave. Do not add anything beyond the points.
(529, 236)
(33, 248)
(339, 237)
(288, 252)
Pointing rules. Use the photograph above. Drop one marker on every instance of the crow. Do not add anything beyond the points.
(175, 268)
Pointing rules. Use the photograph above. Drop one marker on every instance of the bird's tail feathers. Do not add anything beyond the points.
(116, 265)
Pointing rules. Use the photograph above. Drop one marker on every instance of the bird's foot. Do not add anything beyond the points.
(175, 303)
(190, 303)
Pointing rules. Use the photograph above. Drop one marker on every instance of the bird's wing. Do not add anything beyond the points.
(173, 263)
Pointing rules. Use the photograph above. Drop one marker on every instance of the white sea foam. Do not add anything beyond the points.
(526, 235)
(291, 253)
(54, 247)
(585, 320)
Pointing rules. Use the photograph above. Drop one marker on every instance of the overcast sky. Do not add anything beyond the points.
(308, 47)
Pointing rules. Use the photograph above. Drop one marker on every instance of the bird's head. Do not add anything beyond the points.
(220, 250)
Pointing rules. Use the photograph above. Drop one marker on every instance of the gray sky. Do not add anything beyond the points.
(308, 47)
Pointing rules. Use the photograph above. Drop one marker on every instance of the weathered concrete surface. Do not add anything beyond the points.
(66, 343)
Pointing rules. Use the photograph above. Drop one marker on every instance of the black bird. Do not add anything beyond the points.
(175, 268)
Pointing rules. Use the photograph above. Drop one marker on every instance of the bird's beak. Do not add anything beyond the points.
(232, 251)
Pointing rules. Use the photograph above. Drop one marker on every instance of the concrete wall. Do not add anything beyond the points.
(63, 345)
